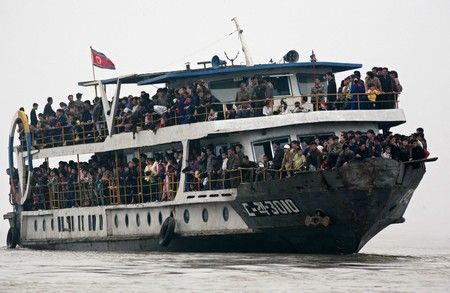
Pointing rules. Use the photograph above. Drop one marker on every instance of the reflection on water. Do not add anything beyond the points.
(25, 270)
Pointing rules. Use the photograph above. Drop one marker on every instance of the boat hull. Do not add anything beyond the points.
(311, 212)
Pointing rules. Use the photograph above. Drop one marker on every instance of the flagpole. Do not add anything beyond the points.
(93, 72)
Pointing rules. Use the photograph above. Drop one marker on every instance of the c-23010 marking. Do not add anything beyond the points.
(270, 208)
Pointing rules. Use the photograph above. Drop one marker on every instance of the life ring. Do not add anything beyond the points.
(166, 232)
(11, 238)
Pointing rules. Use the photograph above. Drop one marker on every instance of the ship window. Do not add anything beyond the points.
(266, 147)
(62, 223)
(205, 215)
(100, 222)
(82, 223)
(52, 224)
(186, 216)
(126, 220)
(94, 222)
(79, 223)
(72, 223)
(304, 139)
(89, 222)
(149, 219)
(306, 81)
(160, 218)
(44, 225)
(229, 83)
(35, 225)
(116, 221)
(281, 85)
(138, 220)
(226, 214)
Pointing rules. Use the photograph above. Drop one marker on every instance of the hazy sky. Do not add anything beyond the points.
(44, 51)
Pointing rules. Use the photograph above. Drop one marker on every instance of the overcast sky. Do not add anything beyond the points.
(44, 51)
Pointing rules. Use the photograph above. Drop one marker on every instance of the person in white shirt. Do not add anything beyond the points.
(268, 108)
(305, 106)
(387, 153)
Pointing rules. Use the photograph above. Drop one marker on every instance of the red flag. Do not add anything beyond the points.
(100, 60)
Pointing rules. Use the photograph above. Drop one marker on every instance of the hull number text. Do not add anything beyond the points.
(270, 208)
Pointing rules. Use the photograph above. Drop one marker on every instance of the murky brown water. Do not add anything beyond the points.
(386, 269)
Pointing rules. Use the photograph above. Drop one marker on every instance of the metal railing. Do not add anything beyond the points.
(253, 108)
(91, 132)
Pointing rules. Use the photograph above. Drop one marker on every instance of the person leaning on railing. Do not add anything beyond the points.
(317, 93)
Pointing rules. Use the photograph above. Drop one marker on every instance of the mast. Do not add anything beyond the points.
(248, 57)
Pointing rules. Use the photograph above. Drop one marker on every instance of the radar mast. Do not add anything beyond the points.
(248, 57)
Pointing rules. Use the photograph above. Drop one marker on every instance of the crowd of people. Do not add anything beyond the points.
(80, 121)
(108, 179)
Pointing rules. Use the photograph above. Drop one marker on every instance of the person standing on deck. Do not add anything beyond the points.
(387, 86)
(33, 115)
(48, 111)
(317, 92)
(331, 91)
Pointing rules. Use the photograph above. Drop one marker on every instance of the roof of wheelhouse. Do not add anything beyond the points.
(162, 77)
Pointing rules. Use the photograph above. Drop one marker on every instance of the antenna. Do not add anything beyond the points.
(231, 59)
(248, 58)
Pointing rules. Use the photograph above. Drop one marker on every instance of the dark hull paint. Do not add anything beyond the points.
(360, 200)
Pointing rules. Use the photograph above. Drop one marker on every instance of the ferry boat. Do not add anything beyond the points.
(316, 211)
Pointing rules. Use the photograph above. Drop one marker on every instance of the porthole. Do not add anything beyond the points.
(126, 220)
(149, 219)
(44, 225)
(100, 222)
(186, 216)
(116, 221)
(160, 218)
(205, 215)
(35, 225)
(52, 224)
(138, 220)
(226, 214)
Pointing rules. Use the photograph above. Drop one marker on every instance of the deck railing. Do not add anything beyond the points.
(90, 132)
(83, 193)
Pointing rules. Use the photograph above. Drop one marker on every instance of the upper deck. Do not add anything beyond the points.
(290, 83)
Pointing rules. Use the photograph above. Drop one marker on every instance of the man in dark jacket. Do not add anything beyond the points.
(33, 115)
(48, 111)
(331, 91)
(278, 156)
(248, 169)
(314, 157)
(387, 86)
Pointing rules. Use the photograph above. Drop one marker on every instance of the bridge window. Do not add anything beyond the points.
(266, 147)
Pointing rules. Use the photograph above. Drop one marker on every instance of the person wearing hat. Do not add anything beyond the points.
(331, 91)
(287, 164)
(362, 152)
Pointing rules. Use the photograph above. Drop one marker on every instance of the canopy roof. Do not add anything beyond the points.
(162, 77)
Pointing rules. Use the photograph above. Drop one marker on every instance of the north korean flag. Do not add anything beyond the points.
(100, 60)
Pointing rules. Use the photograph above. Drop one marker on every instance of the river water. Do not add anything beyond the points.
(385, 267)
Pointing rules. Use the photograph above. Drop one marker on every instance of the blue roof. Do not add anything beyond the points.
(162, 77)
(189, 74)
